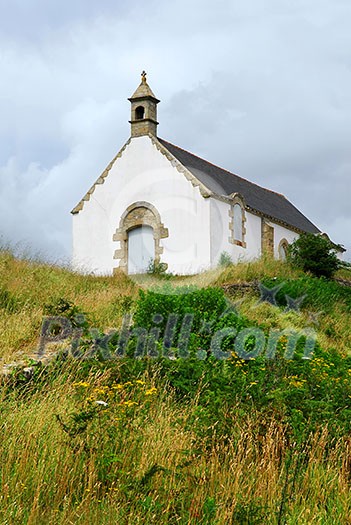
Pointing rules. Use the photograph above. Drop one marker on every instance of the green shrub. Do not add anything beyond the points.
(205, 311)
(315, 254)
(204, 304)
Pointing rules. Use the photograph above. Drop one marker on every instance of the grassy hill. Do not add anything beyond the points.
(179, 439)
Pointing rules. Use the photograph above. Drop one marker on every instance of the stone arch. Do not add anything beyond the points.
(283, 249)
(237, 200)
(139, 213)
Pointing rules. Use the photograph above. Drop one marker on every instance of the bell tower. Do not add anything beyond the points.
(143, 110)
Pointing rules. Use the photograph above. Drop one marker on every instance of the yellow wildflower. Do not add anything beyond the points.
(151, 391)
(83, 384)
(117, 387)
(129, 403)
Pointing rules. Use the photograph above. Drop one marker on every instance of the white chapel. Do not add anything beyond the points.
(156, 202)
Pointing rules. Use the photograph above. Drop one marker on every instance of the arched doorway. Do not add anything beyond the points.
(141, 249)
(139, 234)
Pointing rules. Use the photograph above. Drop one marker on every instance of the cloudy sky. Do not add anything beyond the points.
(260, 87)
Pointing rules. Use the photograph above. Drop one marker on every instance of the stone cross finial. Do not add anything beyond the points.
(143, 77)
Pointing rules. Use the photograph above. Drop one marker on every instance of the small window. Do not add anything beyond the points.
(283, 250)
(238, 223)
(139, 113)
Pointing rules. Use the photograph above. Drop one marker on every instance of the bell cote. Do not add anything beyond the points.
(143, 110)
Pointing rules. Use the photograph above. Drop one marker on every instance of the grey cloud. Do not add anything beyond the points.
(263, 89)
(33, 21)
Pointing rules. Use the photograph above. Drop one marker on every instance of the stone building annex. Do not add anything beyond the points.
(158, 202)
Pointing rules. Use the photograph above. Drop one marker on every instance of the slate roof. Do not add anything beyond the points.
(222, 182)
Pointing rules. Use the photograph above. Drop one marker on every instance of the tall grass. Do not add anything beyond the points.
(26, 287)
(162, 471)
(151, 456)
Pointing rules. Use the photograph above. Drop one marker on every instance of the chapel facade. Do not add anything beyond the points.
(156, 202)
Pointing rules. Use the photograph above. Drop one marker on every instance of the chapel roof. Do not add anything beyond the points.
(222, 182)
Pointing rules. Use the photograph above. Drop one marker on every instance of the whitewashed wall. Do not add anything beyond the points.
(220, 234)
(143, 173)
(281, 233)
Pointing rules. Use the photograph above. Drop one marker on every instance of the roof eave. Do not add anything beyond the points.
(229, 200)
(99, 180)
(204, 190)
(144, 97)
